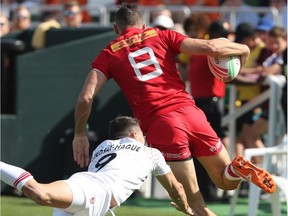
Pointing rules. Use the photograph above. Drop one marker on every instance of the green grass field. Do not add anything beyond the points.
(15, 206)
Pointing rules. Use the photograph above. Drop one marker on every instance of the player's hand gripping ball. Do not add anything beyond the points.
(224, 68)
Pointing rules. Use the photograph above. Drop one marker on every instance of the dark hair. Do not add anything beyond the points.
(128, 15)
(277, 31)
(122, 126)
(70, 4)
(196, 22)
(244, 30)
(219, 28)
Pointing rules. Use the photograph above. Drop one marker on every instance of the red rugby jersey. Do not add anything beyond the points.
(203, 83)
(142, 64)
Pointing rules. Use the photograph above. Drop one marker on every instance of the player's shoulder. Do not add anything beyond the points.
(153, 151)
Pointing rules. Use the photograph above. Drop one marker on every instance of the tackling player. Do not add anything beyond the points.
(119, 167)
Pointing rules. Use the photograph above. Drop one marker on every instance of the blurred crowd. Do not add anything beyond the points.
(266, 39)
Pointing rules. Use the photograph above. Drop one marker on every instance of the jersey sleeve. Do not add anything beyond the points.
(160, 165)
(101, 63)
(173, 39)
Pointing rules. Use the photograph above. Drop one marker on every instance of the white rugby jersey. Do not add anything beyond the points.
(124, 164)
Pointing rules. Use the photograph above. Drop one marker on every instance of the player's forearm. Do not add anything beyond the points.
(175, 190)
(82, 113)
(178, 195)
(93, 83)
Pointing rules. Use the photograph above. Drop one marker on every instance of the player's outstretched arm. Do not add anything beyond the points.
(215, 47)
(94, 82)
(176, 192)
(56, 194)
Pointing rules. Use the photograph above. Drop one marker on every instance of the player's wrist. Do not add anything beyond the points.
(80, 134)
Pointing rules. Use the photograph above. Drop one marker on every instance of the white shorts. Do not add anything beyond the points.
(90, 196)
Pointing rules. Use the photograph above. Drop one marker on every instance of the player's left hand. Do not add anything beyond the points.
(187, 211)
(81, 150)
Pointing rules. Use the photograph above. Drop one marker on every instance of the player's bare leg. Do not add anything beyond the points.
(226, 175)
(215, 167)
(185, 174)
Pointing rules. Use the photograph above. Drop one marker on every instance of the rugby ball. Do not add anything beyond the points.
(224, 68)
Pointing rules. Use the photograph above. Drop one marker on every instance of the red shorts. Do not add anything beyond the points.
(183, 133)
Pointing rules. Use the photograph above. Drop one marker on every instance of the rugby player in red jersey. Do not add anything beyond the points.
(141, 61)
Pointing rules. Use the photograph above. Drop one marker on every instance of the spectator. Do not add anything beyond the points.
(281, 6)
(248, 15)
(264, 25)
(21, 19)
(49, 21)
(195, 26)
(163, 20)
(72, 14)
(210, 3)
(86, 17)
(221, 28)
(5, 25)
(269, 62)
(248, 88)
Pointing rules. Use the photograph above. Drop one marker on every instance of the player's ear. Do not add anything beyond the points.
(115, 28)
(134, 135)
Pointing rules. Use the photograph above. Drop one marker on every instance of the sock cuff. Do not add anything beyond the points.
(22, 179)
(229, 174)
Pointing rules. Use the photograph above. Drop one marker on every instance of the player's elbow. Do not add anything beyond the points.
(84, 99)
(38, 194)
(42, 199)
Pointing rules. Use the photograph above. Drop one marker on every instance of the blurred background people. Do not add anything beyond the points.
(281, 6)
(21, 19)
(163, 22)
(264, 25)
(270, 61)
(72, 14)
(162, 19)
(86, 16)
(49, 21)
(5, 25)
(248, 88)
(241, 16)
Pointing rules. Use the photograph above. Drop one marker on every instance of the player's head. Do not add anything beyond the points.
(128, 15)
(125, 126)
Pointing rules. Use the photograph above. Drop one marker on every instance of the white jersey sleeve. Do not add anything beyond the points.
(160, 165)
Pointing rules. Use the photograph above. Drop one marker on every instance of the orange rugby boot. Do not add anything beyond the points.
(254, 174)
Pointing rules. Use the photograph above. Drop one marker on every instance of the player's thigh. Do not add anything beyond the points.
(215, 165)
(185, 173)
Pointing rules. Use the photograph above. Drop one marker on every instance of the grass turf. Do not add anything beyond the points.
(11, 206)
